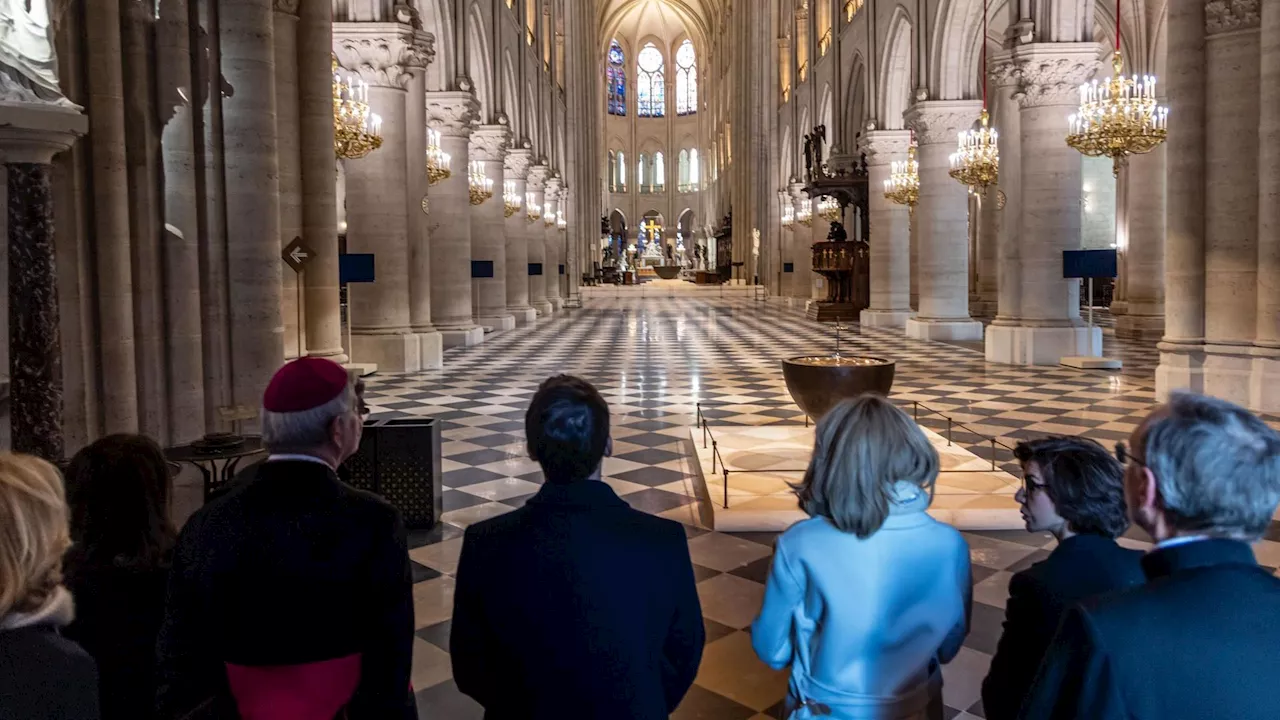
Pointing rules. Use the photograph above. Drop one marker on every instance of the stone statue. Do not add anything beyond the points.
(819, 137)
(28, 62)
(837, 233)
(808, 155)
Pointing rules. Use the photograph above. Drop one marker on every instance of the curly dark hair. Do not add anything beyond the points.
(1084, 481)
(567, 428)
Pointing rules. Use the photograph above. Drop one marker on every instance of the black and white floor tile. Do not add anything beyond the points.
(658, 362)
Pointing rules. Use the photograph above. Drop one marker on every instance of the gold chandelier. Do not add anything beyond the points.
(804, 215)
(1119, 117)
(829, 209)
(437, 160)
(561, 224)
(511, 200)
(903, 185)
(788, 210)
(548, 217)
(976, 163)
(356, 131)
(533, 209)
(481, 186)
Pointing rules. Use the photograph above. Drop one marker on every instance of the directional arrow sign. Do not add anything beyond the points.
(297, 255)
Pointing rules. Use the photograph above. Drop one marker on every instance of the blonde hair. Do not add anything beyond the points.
(33, 532)
(863, 447)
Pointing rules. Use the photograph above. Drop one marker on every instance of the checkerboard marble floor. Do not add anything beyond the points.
(656, 360)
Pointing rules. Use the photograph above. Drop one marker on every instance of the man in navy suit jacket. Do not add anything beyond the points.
(1200, 638)
(576, 605)
(1074, 489)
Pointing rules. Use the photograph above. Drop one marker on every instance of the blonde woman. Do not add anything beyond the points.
(42, 674)
(870, 595)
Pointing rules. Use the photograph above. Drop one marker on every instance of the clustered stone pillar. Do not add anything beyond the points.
(942, 215)
(1048, 325)
(488, 231)
(801, 247)
(252, 196)
(376, 218)
(534, 240)
(452, 114)
(1264, 389)
(891, 227)
(551, 261)
(516, 169)
(288, 146)
(552, 244)
(322, 312)
(1007, 192)
(416, 203)
(1143, 316)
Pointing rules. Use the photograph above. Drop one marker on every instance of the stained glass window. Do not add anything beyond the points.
(686, 79)
(616, 81)
(650, 85)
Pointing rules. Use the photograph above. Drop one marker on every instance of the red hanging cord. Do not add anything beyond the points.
(1117, 25)
(984, 54)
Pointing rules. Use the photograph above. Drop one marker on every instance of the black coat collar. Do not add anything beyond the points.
(580, 494)
(1212, 552)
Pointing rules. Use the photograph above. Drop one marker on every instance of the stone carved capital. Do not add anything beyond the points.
(489, 143)
(1052, 73)
(289, 7)
(882, 147)
(382, 54)
(517, 163)
(538, 175)
(452, 113)
(1221, 16)
(554, 186)
(940, 121)
(423, 51)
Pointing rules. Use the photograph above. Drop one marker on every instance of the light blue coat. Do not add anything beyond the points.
(864, 623)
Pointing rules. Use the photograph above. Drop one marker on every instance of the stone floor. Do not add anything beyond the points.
(657, 360)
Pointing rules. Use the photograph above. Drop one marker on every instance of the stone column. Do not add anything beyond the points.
(942, 215)
(1264, 389)
(288, 146)
(452, 114)
(1144, 256)
(488, 231)
(535, 234)
(377, 223)
(986, 302)
(112, 242)
(417, 204)
(322, 312)
(817, 233)
(1048, 327)
(891, 228)
(553, 257)
(516, 169)
(551, 244)
(1008, 192)
(253, 197)
(30, 135)
(1181, 350)
(801, 239)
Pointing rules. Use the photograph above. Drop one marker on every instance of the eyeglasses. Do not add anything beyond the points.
(1029, 487)
(1125, 457)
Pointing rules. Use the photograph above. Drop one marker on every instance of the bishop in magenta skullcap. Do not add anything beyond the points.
(304, 384)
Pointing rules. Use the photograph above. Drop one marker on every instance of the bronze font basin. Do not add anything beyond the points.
(818, 382)
(667, 272)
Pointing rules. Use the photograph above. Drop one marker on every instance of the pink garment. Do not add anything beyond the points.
(312, 691)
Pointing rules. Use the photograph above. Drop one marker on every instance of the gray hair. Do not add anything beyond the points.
(291, 432)
(1217, 467)
(863, 447)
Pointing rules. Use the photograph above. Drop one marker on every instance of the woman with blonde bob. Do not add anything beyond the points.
(870, 595)
(42, 674)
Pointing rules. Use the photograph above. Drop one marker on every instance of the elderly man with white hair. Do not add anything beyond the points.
(291, 594)
(1201, 638)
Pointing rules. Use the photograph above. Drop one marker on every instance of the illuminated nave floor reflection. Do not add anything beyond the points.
(655, 360)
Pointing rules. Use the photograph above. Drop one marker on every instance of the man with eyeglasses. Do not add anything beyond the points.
(1073, 489)
(1201, 638)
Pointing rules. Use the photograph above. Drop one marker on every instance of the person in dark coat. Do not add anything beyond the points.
(575, 605)
(292, 569)
(42, 674)
(118, 489)
(1199, 638)
(1073, 489)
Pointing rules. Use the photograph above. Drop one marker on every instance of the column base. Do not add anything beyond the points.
(982, 308)
(557, 304)
(462, 337)
(542, 307)
(1140, 327)
(1264, 381)
(1181, 368)
(1022, 345)
(1228, 373)
(524, 315)
(432, 350)
(497, 323)
(884, 318)
(944, 330)
(391, 353)
(337, 355)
